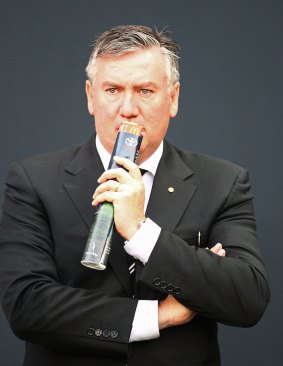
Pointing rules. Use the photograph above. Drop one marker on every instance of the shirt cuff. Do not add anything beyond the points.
(145, 324)
(143, 241)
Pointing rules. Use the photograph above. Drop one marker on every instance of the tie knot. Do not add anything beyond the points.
(143, 171)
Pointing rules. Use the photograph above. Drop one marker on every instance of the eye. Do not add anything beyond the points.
(145, 91)
(111, 90)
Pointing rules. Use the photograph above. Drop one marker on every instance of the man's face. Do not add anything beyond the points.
(133, 87)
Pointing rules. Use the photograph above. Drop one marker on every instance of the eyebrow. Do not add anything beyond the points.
(148, 84)
(110, 83)
(141, 85)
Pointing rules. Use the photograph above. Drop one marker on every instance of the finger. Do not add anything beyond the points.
(222, 253)
(107, 196)
(215, 249)
(109, 185)
(119, 174)
(130, 166)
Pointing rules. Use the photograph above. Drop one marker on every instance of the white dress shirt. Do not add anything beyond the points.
(140, 246)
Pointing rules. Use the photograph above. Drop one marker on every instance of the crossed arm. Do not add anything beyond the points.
(171, 312)
(125, 189)
(31, 283)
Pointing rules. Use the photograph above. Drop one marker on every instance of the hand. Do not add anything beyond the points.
(217, 249)
(171, 312)
(125, 189)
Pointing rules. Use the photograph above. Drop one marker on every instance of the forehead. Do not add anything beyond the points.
(136, 65)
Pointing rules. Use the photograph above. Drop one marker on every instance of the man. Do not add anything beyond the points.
(184, 204)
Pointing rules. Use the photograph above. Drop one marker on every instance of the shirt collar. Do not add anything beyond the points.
(149, 164)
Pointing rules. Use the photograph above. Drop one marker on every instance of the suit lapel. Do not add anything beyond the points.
(80, 182)
(172, 190)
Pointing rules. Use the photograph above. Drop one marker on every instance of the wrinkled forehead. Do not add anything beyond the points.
(140, 61)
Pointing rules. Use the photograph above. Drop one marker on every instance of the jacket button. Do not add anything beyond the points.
(170, 288)
(177, 291)
(156, 281)
(98, 332)
(106, 333)
(90, 331)
(114, 334)
(163, 284)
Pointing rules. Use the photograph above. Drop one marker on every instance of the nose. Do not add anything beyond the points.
(129, 107)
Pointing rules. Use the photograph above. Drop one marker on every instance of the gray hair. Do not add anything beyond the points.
(128, 38)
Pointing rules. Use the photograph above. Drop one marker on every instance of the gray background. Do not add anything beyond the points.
(230, 85)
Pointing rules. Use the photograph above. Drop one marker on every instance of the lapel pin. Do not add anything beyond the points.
(171, 189)
(199, 236)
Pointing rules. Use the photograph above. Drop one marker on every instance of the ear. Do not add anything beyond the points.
(174, 94)
(89, 95)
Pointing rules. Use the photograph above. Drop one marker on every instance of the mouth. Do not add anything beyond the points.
(131, 128)
(138, 125)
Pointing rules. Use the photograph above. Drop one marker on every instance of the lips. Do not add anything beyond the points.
(117, 126)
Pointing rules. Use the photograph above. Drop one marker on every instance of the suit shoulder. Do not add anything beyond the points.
(198, 161)
(56, 159)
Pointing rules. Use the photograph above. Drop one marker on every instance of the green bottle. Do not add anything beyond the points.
(98, 244)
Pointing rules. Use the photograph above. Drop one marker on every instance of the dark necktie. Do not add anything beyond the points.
(134, 264)
(143, 171)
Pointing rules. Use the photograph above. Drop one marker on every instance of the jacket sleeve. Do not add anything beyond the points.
(232, 289)
(39, 308)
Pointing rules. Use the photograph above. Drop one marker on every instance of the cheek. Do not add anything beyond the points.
(158, 118)
(160, 107)
(101, 106)
(98, 106)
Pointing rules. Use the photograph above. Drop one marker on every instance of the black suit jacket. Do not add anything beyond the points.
(73, 315)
